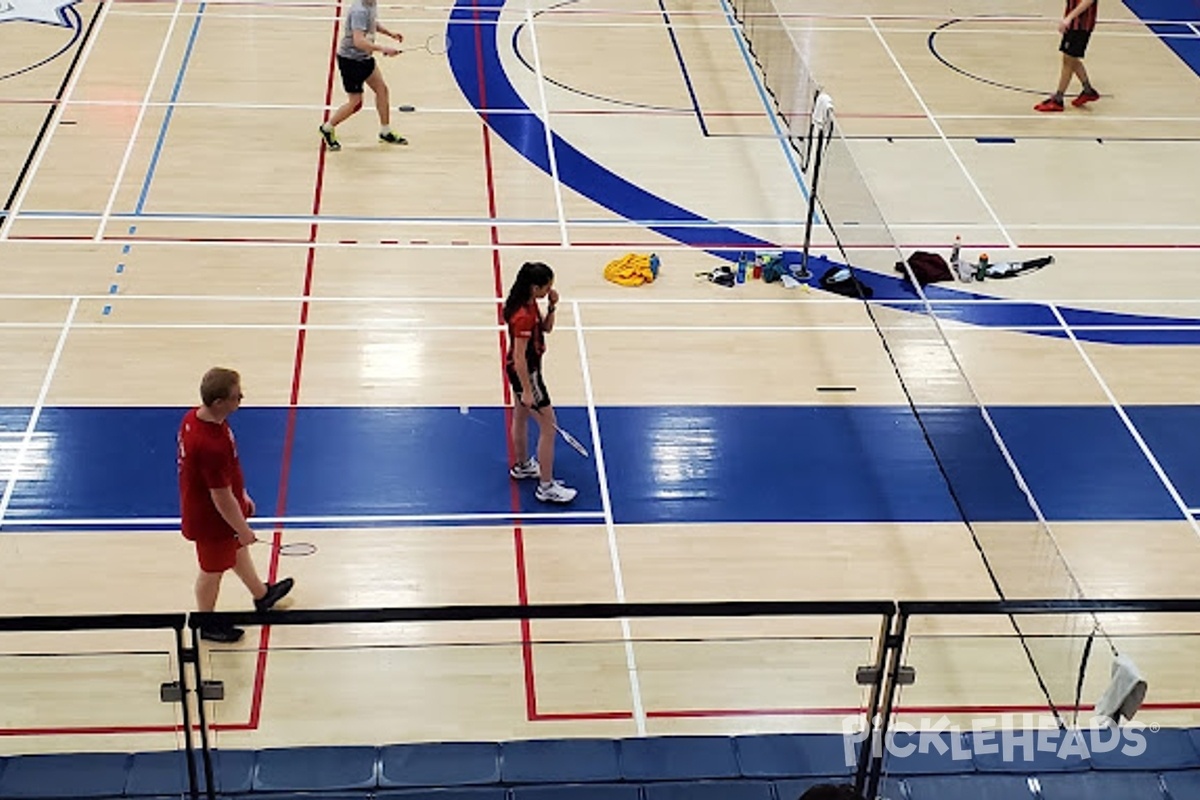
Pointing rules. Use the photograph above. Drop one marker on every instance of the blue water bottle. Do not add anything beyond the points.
(741, 270)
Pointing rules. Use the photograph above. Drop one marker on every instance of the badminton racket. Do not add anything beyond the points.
(436, 45)
(568, 438)
(291, 548)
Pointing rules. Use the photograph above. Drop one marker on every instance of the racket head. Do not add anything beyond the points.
(437, 44)
(297, 549)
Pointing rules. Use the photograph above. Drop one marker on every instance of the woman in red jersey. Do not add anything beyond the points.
(527, 329)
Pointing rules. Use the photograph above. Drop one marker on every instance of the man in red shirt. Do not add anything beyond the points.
(1076, 26)
(214, 501)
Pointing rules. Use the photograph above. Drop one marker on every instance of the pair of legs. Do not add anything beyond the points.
(549, 490)
(216, 557)
(353, 81)
(354, 102)
(1072, 67)
(1074, 45)
(208, 584)
(545, 444)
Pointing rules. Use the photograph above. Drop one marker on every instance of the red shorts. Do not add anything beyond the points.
(217, 555)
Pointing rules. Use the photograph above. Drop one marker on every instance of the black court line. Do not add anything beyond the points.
(58, 96)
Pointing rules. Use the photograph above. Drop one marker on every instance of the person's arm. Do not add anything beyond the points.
(551, 308)
(399, 37)
(231, 511)
(367, 46)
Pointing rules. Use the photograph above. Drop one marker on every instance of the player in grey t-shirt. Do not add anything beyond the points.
(357, 66)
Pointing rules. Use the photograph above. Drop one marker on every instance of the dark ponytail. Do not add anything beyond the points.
(531, 274)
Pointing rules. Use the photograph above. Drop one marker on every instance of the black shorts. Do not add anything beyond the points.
(541, 398)
(355, 73)
(1074, 43)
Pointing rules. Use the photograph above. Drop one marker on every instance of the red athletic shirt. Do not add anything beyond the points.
(1085, 21)
(526, 322)
(207, 460)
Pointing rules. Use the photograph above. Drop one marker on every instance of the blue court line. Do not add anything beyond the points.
(474, 35)
(1168, 18)
(784, 141)
(166, 123)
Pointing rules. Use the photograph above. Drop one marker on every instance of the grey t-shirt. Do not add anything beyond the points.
(360, 17)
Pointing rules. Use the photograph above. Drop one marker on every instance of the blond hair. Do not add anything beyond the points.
(218, 384)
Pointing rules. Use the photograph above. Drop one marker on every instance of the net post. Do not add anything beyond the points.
(822, 120)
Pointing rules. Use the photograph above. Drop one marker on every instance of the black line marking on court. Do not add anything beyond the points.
(945, 62)
(58, 96)
(71, 14)
(687, 78)
(516, 46)
(837, 388)
(995, 140)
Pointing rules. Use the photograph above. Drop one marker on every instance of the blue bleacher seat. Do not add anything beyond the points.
(889, 788)
(577, 791)
(1047, 751)
(73, 775)
(233, 770)
(708, 790)
(559, 761)
(664, 758)
(928, 753)
(1101, 786)
(793, 755)
(969, 787)
(165, 773)
(1182, 785)
(454, 793)
(1166, 748)
(439, 764)
(315, 769)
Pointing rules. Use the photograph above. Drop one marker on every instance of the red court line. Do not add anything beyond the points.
(289, 437)
(530, 683)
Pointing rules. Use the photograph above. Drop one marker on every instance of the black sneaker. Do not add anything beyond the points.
(391, 137)
(229, 635)
(275, 592)
(330, 138)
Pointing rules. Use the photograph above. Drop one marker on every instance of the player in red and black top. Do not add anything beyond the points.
(214, 503)
(527, 330)
(1076, 26)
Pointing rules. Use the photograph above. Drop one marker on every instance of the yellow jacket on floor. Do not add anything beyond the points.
(632, 269)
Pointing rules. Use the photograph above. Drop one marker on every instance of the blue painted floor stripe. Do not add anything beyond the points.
(665, 463)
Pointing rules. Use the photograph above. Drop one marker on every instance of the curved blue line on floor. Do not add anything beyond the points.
(475, 61)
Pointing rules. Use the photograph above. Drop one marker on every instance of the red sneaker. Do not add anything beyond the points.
(1085, 97)
(1049, 104)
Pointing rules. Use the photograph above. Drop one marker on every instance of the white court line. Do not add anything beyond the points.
(716, 299)
(137, 125)
(56, 115)
(680, 112)
(15, 472)
(298, 522)
(639, 710)
(565, 239)
(942, 135)
(1133, 431)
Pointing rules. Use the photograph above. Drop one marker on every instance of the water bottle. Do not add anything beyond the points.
(741, 269)
(981, 267)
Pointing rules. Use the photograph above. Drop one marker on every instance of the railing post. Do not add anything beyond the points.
(181, 657)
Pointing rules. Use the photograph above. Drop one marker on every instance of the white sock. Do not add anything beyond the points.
(325, 126)
(385, 130)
